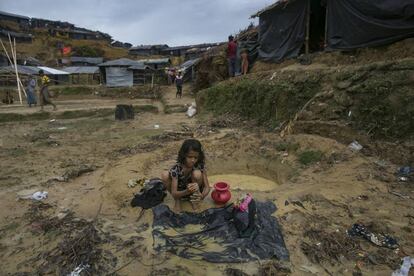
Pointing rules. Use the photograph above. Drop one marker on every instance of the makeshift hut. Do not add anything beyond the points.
(188, 69)
(8, 74)
(147, 50)
(23, 21)
(289, 27)
(56, 76)
(123, 72)
(83, 74)
(158, 63)
(19, 37)
(81, 61)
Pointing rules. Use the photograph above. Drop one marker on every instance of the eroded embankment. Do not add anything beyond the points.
(368, 103)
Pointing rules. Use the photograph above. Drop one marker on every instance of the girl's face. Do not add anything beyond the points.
(191, 159)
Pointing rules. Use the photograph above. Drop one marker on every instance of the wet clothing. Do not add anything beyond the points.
(31, 93)
(183, 180)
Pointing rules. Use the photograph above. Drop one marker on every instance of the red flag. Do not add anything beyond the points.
(66, 50)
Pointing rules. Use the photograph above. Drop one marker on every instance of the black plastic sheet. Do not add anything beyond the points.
(364, 23)
(214, 237)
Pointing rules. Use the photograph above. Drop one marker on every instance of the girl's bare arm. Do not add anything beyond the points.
(206, 188)
(175, 193)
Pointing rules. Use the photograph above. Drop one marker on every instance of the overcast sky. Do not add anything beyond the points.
(172, 22)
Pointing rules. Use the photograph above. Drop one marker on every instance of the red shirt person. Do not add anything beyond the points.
(231, 55)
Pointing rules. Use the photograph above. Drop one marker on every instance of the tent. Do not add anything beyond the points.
(290, 26)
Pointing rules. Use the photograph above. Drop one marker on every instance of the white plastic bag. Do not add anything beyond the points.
(191, 111)
(355, 146)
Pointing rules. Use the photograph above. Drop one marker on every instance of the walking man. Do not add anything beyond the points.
(44, 91)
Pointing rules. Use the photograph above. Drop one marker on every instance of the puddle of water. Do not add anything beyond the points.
(244, 182)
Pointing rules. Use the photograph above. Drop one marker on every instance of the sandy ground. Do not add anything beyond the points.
(329, 196)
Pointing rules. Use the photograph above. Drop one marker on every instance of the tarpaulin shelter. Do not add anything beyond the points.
(83, 74)
(116, 74)
(289, 26)
(7, 74)
(188, 69)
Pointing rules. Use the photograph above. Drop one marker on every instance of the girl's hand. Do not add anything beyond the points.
(196, 197)
(192, 187)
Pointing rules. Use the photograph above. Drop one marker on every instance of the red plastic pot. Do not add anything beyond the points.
(221, 193)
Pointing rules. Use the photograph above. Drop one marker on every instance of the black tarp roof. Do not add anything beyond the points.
(351, 24)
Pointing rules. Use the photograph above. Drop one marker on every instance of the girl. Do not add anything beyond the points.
(187, 179)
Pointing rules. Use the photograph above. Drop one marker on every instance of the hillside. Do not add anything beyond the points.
(46, 42)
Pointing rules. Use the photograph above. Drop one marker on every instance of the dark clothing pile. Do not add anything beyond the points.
(152, 194)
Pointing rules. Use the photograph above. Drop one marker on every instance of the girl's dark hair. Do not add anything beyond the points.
(187, 146)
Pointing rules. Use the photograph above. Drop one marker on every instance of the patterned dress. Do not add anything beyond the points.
(183, 180)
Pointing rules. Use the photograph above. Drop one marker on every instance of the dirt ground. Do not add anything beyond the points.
(85, 164)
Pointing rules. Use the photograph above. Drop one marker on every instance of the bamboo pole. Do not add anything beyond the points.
(12, 64)
(326, 26)
(15, 69)
(307, 28)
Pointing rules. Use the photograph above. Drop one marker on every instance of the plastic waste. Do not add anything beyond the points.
(39, 195)
(191, 111)
(355, 146)
(77, 271)
(405, 267)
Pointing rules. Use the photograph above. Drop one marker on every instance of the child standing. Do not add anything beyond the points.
(179, 84)
(187, 179)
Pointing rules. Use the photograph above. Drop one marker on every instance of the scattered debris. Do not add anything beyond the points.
(404, 173)
(39, 195)
(156, 126)
(275, 267)
(135, 182)
(330, 247)
(75, 172)
(144, 147)
(376, 238)
(78, 270)
(172, 136)
(405, 267)
(355, 146)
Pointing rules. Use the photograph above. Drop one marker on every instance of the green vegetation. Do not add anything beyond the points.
(287, 146)
(269, 103)
(309, 157)
(87, 51)
(70, 114)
